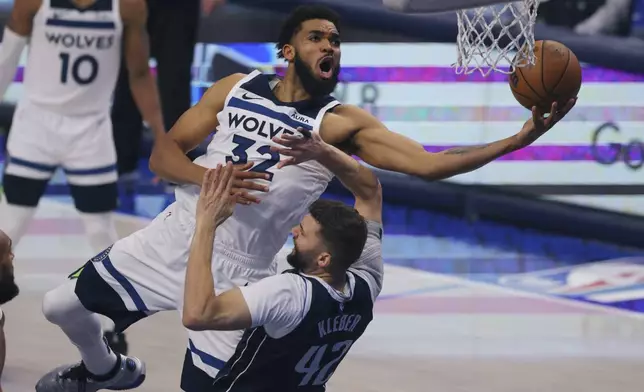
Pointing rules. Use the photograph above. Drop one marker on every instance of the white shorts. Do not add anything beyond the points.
(41, 141)
(147, 272)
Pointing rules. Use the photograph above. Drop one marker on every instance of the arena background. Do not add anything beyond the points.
(561, 219)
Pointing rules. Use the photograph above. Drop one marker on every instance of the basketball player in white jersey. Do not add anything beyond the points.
(299, 325)
(63, 117)
(144, 273)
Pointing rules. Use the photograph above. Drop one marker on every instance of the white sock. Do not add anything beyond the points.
(100, 230)
(62, 307)
(14, 220)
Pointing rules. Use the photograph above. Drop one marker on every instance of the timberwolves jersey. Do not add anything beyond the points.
(251, 117)
(305, 359)
(74, 56)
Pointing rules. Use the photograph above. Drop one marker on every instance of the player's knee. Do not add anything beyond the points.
(61, 305)
(95, 198)
(22, 191)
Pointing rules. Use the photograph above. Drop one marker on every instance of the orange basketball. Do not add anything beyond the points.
(555, 76)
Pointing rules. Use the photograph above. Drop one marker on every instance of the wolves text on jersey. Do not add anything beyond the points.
(263, 128)
(81, 41)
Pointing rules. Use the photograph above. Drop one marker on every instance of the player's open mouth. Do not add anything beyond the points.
(326, 67)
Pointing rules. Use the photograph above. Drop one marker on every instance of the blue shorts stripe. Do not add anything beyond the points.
(136, 298)
(33, 165)
(206, 358)
(89, 172)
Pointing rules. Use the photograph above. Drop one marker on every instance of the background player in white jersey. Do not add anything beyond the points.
(144, 273)
(300, 324)
(63, 117)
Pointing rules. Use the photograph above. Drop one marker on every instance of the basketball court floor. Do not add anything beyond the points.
(431, 332)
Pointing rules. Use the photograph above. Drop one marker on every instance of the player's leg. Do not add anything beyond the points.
(90, 168)
(138, 276)
(75, 307)
(208, 351)
(31, 162)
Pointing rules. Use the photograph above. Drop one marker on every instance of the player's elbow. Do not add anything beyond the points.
(157, 156)
(193, 321)
(431, 168)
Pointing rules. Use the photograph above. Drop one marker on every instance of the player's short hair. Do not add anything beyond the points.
(301, 14)
(343, 230)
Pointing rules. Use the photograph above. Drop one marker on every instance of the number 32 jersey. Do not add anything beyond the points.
(74, 57)
(251, 117)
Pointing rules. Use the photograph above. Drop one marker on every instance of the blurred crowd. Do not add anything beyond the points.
(595, 17)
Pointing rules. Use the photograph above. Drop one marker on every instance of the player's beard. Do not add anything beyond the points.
(296, 260)
(8, 287)
(314, 86)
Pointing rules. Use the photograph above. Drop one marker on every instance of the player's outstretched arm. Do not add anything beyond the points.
(137, 58)
(387, 150)
(203, 308)
(358, 179)
(14, 40)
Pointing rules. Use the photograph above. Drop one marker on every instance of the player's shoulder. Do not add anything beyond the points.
(281, 287)
(218, 91)
(350, 117)
(341, 123)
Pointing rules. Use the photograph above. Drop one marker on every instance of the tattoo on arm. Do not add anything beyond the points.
(464, 150)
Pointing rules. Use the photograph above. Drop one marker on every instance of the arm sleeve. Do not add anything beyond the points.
(11, 49)
(278, 303)
(370, 266)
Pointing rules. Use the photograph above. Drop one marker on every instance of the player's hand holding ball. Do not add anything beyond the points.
(539, 124)
(298, 149)
(216, 200)
(549, 86)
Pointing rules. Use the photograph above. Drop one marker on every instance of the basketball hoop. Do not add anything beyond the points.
(493, 35)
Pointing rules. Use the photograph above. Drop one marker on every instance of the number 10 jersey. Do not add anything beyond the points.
(74, 56)
(251, 117)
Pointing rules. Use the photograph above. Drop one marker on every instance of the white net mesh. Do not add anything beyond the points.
(489, 37)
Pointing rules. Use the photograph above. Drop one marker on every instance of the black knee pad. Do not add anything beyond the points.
(95, 198)
(23, 191)
(99, 297)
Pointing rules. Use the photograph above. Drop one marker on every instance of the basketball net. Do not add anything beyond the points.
(496, 38)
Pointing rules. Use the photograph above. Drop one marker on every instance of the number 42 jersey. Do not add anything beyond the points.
(251, 117)
(74, 57)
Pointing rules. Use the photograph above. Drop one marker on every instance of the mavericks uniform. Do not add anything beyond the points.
(303, 328)
(147, 269)
(62, 119)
